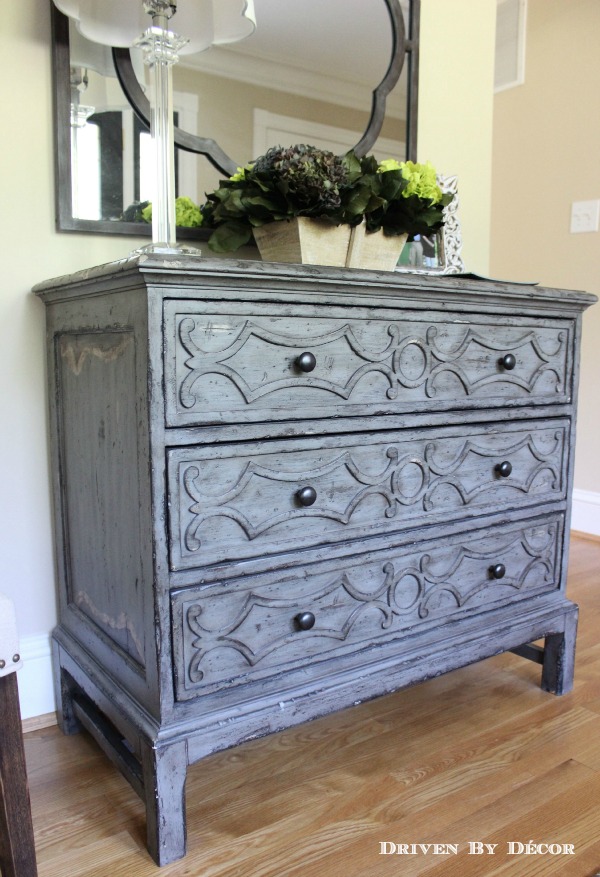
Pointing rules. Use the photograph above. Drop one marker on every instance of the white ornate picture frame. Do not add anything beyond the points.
(449, 238)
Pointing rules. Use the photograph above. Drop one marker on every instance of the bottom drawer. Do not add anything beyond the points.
(238, 632)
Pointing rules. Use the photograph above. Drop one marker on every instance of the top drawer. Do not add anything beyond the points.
(237, 363)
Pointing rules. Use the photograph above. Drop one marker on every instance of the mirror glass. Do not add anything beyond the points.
(306, 76)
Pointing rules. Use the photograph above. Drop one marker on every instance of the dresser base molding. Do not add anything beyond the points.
(154, 759)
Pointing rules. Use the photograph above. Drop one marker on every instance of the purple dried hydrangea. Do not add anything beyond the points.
(311, 179)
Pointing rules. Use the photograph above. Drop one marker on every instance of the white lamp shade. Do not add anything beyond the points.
(202, 22)
(234, 20)
(69, 7)
(93, 56)
(109, 22)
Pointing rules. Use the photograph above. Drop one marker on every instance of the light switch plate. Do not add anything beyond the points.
(585, 216)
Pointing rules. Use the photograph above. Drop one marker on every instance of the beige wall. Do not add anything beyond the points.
(456, 110)
(31, 251)
(546, 155)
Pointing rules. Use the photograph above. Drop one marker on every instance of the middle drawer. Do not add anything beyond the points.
(235, 502)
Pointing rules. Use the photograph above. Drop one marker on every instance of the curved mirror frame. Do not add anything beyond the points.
(405, 48)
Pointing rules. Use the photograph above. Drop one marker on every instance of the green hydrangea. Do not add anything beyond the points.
(187, 214)
(421, 181)
(388, 164)
(420, 178)
(240, 174)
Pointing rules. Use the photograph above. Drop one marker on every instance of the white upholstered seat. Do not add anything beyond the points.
(10, 655)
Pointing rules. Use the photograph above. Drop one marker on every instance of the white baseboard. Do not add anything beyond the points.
(36, 690)
(585, 515)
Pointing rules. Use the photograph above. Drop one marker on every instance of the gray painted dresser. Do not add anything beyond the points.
(282, 490)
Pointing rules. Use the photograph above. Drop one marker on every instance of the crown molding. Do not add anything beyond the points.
(264, 73)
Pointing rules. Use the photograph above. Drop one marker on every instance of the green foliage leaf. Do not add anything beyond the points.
(229, 237)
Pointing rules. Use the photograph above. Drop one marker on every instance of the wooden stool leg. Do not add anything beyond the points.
(17, 849)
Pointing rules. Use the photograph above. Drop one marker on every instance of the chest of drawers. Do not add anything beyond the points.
(283, 490)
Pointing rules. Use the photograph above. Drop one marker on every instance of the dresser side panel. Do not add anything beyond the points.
(101, 490)
(98, 356)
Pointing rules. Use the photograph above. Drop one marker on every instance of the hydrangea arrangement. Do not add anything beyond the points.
(302, 180)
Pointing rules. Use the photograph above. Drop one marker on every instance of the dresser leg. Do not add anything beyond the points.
(559, 658)
(63, 693)
(165, 769)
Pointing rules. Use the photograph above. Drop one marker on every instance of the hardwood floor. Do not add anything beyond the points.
(478, 755)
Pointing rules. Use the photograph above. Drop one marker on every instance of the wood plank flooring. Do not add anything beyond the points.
(478, 755)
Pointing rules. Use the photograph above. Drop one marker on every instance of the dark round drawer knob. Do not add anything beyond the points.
(305, 620)
(504, 469)
(498, 571)
(508, 361)
(306, 362)
(306, 496)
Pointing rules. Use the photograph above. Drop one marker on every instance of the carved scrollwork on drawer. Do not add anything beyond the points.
(253, 364)
(533, 354)
(228, 634)
(356, 486)
(200, 362)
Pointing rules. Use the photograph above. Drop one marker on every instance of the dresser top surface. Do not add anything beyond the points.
(192, 275)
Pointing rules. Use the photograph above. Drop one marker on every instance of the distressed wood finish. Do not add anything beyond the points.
(236, 633)
(227, 500)
(229, 367)
(248, 538)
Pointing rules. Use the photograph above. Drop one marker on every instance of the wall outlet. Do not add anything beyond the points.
(585, 216)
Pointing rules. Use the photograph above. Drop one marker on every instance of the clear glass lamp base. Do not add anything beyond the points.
(160, 249)
(160, 47)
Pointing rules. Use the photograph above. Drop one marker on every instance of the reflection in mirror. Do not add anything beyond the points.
(307, 78)
(440, 253)
(111, 159)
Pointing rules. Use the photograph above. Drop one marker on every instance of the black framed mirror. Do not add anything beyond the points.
(102, 107)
